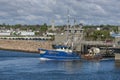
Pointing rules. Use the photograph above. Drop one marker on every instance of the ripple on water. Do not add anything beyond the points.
(31, 68)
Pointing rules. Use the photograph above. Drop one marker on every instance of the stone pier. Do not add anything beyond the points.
(117, 56)
(25, 45)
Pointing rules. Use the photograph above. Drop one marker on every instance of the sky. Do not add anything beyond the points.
(88, 12)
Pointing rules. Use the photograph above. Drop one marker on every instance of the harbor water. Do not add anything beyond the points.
(27, 66)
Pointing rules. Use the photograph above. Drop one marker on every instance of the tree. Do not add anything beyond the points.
(44, 27)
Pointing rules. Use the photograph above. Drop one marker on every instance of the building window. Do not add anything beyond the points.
(69, 31)
(75, 31)
(80, 31)
(118, 42)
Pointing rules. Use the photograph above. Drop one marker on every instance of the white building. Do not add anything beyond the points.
(98, 29)
(26, 33)
(5, 33)
(50, 34)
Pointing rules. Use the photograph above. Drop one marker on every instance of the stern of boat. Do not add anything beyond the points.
(41, 51)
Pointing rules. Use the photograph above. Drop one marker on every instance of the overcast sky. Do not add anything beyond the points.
(44, 11)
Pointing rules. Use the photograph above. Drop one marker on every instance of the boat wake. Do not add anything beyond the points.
(44, 59)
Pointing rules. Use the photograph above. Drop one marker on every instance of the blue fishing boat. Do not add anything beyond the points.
(65, 51)
(59, 53)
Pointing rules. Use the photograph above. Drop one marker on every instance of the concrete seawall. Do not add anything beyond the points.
(117, 56)
(24, 45)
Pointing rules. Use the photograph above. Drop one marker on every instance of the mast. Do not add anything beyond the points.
(67, 33)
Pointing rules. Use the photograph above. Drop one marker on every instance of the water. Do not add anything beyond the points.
(24, 66)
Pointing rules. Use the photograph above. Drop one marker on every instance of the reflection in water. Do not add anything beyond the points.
(68, 67)
(72, 66)
(93, 66)
(117, 63)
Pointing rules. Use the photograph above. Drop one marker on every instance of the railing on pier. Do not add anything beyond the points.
(97, 43)
(26, 38)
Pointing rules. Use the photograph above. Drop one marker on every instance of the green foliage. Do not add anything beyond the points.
(104, 34)
(89, 30)
(44, 28)
(37, 33)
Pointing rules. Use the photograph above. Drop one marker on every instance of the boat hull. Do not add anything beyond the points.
(59, 55)
(92, 57)
(46, 57)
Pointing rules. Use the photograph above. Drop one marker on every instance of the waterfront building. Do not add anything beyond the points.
(50, 34)
(116, 44)
(5, 33)
(117, 37)
(26, 33)
(98, 29)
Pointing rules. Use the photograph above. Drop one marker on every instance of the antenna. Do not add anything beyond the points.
(74, 22)
(53, 25)
(68, 15)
